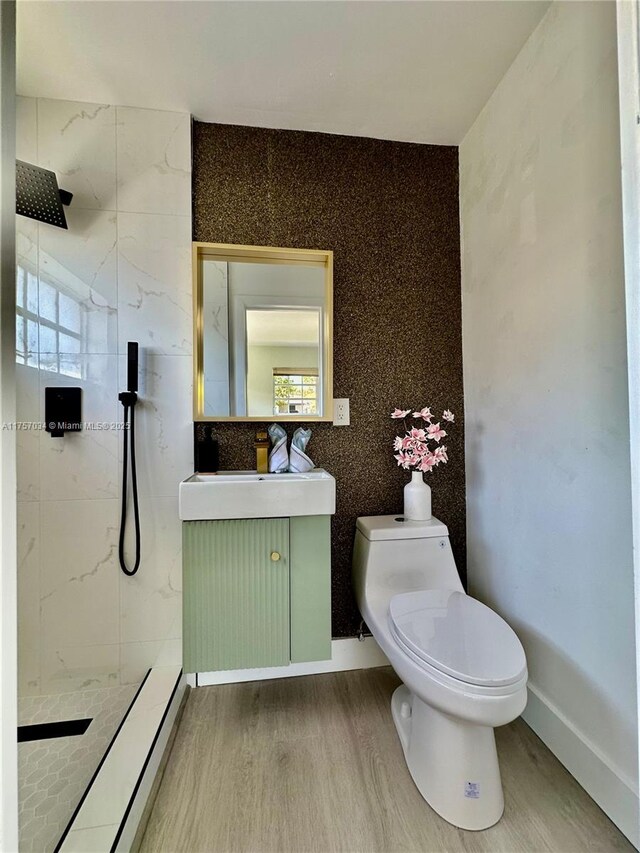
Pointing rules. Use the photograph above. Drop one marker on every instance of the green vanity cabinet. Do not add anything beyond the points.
(257, 592)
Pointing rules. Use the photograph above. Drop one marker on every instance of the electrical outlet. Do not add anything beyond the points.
(341, 412)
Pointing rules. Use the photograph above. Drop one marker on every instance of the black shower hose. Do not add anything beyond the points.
(128, 400)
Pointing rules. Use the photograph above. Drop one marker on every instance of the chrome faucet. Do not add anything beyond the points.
(262, 452)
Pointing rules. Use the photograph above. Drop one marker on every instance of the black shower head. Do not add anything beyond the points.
(38, 196)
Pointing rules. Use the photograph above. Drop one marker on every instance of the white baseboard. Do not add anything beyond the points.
(612, 790)
(345, 654)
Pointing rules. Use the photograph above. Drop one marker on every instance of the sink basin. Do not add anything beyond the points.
(247, 494)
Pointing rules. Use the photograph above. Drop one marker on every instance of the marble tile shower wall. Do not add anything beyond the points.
(121, 272)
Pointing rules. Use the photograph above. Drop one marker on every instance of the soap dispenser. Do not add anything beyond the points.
(205, 449)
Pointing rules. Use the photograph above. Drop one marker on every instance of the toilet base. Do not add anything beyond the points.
(454, 764)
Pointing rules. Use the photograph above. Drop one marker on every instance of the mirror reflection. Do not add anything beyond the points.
(265, 338)
(283, 361)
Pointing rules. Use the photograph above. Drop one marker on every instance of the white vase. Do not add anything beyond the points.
(417, 499)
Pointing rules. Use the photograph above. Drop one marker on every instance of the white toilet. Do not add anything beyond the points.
(464, 669)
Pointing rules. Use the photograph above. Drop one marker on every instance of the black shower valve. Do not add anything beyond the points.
(62, 410)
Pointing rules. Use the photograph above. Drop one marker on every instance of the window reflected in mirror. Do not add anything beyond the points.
(295, 393)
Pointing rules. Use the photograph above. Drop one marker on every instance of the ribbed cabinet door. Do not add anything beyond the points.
(236, 598)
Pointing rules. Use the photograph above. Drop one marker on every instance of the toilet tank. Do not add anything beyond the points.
(392, 556)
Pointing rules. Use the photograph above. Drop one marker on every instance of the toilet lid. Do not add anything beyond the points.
(458, 635)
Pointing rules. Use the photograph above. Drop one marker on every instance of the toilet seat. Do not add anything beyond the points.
(458, 636)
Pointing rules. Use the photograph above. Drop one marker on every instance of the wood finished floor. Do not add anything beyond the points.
(314, 764)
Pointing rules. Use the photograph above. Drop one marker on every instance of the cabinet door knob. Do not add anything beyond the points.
(275, 556)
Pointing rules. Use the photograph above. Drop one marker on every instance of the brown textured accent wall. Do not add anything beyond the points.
(389, 212)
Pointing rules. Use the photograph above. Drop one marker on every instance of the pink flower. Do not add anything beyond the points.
(402, 459)
(435, 432)
(427, 462)
(440, 454)
(412, 449)
(425, 414)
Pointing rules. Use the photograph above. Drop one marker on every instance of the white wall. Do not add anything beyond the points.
(125, 263)
(628, 18)
(261, 361)
(8, 702)
(215, 337)
(547, 425)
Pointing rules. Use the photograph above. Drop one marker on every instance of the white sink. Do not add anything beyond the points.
(247, 494)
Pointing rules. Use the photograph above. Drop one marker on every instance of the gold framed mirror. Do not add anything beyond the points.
(263, 333)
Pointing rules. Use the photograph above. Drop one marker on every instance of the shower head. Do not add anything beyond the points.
(38, 196)
(132, 366)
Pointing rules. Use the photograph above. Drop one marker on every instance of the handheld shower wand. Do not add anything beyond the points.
(129, 398)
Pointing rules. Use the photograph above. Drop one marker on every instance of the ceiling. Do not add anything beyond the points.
(414, 71)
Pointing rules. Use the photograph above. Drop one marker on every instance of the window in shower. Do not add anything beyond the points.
(26, 316)
(49, 322)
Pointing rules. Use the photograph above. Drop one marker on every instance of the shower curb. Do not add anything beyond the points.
(107, 816)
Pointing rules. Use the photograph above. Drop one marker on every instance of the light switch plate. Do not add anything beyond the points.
(341, 412)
